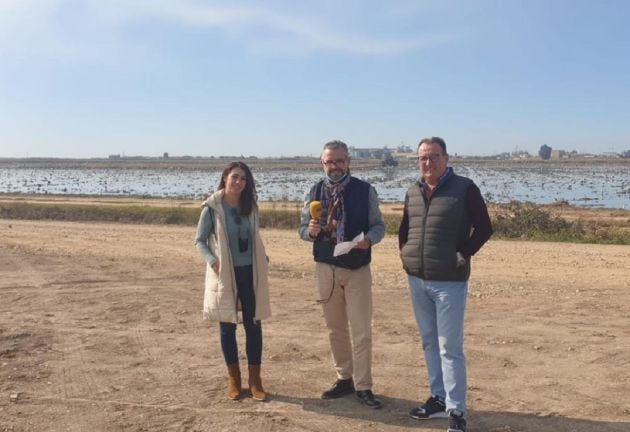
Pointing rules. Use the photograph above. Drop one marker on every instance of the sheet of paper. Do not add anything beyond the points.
(345, 247)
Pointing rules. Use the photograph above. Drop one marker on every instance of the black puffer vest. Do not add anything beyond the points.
(356, 204)
(437, 228)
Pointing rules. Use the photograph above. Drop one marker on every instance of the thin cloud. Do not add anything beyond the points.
(34, 26)
(256, 23)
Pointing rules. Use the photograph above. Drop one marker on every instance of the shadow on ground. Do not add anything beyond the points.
(395, 413)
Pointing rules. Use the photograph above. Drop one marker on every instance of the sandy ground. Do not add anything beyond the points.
(101, 330)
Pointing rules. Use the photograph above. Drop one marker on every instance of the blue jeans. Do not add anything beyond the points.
(439, 308)
(253, 329)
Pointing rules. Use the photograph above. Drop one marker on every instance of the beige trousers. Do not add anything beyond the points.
(347, 298)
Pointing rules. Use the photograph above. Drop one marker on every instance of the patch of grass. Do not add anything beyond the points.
(269, 218)
(525, 220)
(603, 234)
(392, 222)
(104, 213)
(280, 218)
(515, 220)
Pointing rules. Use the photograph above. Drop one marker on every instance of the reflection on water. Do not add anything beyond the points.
(598, 185)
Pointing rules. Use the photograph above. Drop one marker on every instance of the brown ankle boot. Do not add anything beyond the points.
(255, 383)
(234, 381)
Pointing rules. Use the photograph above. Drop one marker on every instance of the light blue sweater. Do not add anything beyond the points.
(237, 233)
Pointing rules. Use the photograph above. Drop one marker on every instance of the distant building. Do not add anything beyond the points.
(611, 154)
(520, 154)
(403, 149)
(368, 153)
(365, 153)
(559, 154)
(114, 156)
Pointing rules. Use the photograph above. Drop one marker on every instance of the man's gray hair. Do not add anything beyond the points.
(433, 140)
(336, 145)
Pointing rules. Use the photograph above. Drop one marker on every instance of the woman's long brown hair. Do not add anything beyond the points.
(248, 196)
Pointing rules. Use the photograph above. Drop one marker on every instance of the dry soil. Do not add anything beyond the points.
(101, 330)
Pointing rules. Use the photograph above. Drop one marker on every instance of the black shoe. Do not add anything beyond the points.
(456, 422)
(366, 397)
(432, 408)
(340, 388)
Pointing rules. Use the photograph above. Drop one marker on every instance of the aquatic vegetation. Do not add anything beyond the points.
(587, 185)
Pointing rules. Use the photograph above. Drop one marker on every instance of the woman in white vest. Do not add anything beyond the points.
(228, 237)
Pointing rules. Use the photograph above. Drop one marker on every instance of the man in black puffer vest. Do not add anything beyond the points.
(445, 222)
(349, 207)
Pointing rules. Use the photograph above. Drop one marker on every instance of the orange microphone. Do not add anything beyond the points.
(316, 209)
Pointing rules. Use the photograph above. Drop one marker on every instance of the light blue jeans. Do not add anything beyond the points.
(439, 308)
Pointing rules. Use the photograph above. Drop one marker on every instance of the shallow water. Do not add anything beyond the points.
(597, 185)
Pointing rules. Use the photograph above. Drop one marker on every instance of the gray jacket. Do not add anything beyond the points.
(437, 228)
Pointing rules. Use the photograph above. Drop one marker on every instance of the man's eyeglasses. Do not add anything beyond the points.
(432, 158)
(335, 162)
(243, 243)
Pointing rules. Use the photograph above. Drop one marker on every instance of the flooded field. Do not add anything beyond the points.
(602, 184)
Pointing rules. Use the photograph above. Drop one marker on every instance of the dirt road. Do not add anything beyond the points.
(101, 330)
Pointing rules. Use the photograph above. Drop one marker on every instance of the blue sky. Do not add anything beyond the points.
(89, 78)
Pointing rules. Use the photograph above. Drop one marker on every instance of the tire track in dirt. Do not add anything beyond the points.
(29, 274)
(149, 348)
(78, 380)
(287, 416)
(77, 376)
(71, 380)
